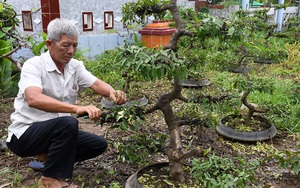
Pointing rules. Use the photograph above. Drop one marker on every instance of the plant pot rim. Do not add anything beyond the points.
(263, 61)
(255, 136)
(132, 181)
(195, 83)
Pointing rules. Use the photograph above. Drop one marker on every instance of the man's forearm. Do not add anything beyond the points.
(49, 104)
(102, 88)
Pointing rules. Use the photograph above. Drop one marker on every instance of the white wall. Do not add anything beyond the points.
(72, 10)
(97, 41)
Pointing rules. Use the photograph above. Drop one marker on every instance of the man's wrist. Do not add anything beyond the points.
(74, 109)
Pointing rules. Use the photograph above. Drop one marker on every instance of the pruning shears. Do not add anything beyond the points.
(85, 116)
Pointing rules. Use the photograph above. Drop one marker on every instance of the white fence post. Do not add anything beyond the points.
(279, 16)
(298, 8)
(245, 4)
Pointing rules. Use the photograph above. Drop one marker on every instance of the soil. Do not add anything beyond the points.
(108, 170)
(239, 123)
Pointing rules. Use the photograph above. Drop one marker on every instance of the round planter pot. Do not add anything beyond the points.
(263, 61)
(195, 83)
(235, 70)
(132, 181)
(138, 103)
(255, 136)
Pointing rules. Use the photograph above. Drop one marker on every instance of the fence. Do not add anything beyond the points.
(289, 12)
(227, 13)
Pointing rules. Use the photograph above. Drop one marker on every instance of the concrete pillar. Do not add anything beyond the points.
(245, 4)
(279, 16)
(298, 8)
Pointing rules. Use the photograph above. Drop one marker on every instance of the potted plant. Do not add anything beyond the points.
(166, 62)
(247, 125)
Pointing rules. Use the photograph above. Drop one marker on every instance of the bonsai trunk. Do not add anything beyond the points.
(249, 106)
(176, 153)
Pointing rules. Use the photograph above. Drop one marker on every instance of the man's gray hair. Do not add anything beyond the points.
(58, 27)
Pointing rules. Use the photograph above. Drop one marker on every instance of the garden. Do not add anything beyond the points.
(218, 106)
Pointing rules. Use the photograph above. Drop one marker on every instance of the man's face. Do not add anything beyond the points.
(63, 50)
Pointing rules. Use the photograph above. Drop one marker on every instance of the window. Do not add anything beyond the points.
(87, 21)
(108, 20)
(27, 21)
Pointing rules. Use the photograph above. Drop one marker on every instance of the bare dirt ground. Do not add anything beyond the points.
(107, 170)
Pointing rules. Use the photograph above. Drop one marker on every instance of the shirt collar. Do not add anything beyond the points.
(50, 65)
(70, 68)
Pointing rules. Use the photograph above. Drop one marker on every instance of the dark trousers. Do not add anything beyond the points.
(64, 143)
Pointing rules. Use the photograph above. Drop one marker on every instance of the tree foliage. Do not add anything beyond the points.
(8, 45)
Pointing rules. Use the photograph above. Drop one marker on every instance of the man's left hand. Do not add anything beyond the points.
(118, 97)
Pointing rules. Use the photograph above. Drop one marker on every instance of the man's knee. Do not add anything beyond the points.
(70, 121)
(102, 145)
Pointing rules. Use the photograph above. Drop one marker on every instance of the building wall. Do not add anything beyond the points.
(73, 11)
(32, 5)
(97, 40)
(98, 8)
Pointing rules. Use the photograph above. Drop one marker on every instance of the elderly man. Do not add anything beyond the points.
(42, 121)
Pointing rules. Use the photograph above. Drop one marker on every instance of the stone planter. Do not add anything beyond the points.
(156, 34)
(199, 4)
(216, 6)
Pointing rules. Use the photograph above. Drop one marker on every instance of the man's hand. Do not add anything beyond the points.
(106, 90)
(93, 112)
(118, 97)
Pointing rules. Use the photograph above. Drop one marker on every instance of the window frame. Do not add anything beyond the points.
(106, 24)
(28, 14)
(85, 25)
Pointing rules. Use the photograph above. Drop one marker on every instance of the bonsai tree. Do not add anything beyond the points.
(255, 47)
(164, 63)
(255, 23)
(258, 128)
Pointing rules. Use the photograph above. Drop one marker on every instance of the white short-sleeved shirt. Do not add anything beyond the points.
(42, 72)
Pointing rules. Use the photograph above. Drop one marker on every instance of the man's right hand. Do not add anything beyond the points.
(93, 112)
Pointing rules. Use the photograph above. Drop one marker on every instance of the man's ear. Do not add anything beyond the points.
(48, 43)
